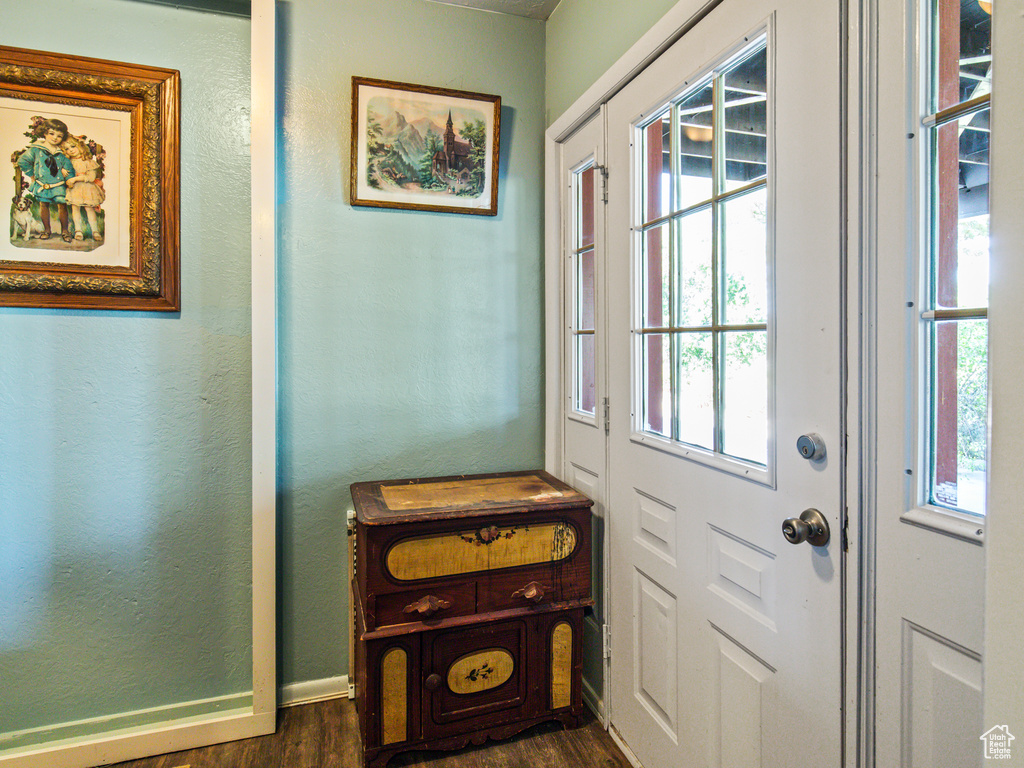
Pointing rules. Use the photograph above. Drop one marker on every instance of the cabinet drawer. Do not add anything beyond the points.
(526, 587)
(423, 604)
(522, 588)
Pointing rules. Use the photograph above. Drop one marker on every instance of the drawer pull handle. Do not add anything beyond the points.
(532, 591)
(427, 606)
(433, 682)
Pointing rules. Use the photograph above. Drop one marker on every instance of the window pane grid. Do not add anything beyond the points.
(699, 350)
(582, 333)
(954, 313)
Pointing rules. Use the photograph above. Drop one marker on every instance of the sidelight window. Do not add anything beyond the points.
(703, 308)
(954, 299)
(582, 265)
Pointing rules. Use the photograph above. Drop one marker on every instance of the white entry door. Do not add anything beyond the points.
(725, 346)
(583, 388)
(928, 265)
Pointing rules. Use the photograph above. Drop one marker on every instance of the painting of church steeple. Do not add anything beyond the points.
(454, 161)
(449, 136)
(426, 148)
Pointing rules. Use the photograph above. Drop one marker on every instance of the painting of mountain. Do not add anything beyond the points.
(411, 144)
(404, 137)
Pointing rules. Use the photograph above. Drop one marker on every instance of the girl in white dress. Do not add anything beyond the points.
(83, 191)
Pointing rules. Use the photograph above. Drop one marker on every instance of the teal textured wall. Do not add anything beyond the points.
(410, 343)
(584, 39)
(125, 465)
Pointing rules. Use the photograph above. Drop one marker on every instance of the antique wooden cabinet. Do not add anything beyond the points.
(468, 594)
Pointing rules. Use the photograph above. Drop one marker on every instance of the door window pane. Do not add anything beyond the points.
(744, 261)
(585, 395)
(696, 390)
(961, 51)
(959, 414)
(745, 396)
(746, 120)
(586, 290)
(960, 218)
(586, 208)
(695, 234)
(657, 374)
(695, 135)
(657, 141)
(656, 281)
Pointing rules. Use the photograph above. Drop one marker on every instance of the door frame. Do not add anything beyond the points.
(858, 634)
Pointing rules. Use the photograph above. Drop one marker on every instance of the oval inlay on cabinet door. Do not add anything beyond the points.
(480, 671)
(482, 549)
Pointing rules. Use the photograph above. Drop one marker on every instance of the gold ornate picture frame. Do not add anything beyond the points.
(93, 183)
(417, 147)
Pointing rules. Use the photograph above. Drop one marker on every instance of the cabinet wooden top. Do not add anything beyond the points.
(387, 502)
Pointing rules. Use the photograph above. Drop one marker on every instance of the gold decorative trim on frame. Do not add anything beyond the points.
(484, 549)
(151, 96)
(394, 696)
(561, 665)
(481, 671)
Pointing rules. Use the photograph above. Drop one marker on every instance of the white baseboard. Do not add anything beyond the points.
(594, 703)
(156, 731)
(133, 735)
(307, 692)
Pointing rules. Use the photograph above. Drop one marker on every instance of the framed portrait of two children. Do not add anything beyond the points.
(92, 152)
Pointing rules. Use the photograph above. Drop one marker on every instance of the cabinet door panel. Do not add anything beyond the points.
(478, 657)
(389, 697)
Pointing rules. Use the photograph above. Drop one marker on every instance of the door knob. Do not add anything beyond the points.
(811, 527)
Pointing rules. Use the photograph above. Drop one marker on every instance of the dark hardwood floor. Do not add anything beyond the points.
(326, 735)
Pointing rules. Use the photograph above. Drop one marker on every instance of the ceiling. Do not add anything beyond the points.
(531, 9)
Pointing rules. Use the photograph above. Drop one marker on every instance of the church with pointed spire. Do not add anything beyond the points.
(452, 160)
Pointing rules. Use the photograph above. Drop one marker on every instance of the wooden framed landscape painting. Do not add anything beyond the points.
(423, 148)
(93, 182)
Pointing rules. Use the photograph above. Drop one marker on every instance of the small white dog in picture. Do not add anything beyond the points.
(23, 218)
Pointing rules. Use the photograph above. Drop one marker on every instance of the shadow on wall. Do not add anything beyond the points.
(312, 540)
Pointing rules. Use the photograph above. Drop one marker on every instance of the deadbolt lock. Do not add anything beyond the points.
(811, 527)
(811, 446)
